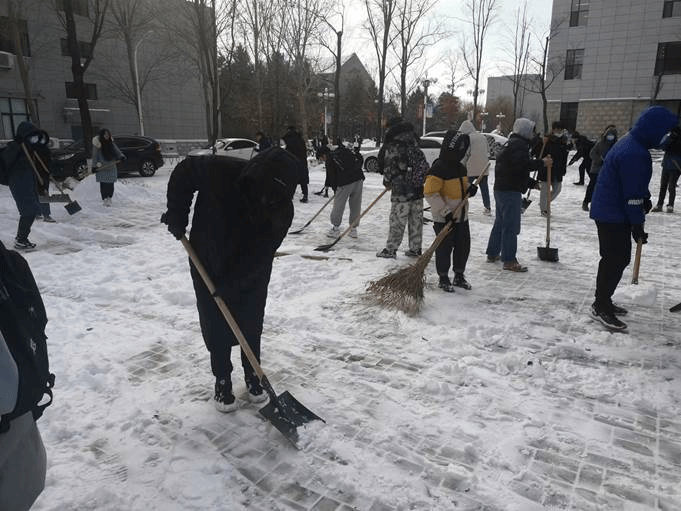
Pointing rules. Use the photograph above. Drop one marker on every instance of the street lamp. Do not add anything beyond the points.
(137, 82)
(325, 96)
(426, 83)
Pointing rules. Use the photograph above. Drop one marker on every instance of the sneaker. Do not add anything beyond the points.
(619, 311)
(256, 394)
(579, 183)
(413, 253)
(353, 232)
(656, 209)
(460, 281)
(670, 209)
(334, 232)
(514, 266)
(608, 319)
(304, 199)
(48, 219)
(107, 201)
(445, 284)
(493, 259)
(544, 213)
(387, 254)
(23, 244)
(487, 212)
(585, 206)
(224, 399)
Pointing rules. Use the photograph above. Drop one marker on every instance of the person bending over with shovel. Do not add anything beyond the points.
(242, 213)
(619, 205)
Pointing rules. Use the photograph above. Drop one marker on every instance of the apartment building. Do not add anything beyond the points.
(171, 100)
(611, 59)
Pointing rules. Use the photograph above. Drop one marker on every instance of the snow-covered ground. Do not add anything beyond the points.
(505, 397)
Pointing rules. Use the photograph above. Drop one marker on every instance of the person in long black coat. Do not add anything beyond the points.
(242, 213)
(296, 146)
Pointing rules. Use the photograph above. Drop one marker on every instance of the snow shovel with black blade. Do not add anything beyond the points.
(547, 253)
(324, 248)
(315, 216)
(637, 262)
(675, 308)
(72, 207)
(283, 411)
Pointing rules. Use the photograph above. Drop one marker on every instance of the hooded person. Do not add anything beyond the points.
(596, 155)
(22, 176)
(620, 202)
(445, 189)
(671, 169)
(242, 213)
(557, 146)
(476, 161)
(105, 155)
(511, 180)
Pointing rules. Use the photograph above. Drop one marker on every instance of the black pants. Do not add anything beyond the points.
(24, 229)
(454, 249)
(590, 189)
(584, 168)
(614, 244)
(106, 190)
(668, 180)
(303, 188)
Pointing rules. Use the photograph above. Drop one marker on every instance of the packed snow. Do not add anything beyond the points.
(504, 397)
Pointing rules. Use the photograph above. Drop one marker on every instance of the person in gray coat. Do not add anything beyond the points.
(105, 155)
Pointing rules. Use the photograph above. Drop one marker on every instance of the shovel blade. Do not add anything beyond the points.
(72, 207)
(525, 204)
(548, 254)
(286, 414)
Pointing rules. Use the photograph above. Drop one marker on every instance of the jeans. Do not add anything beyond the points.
(504, 236)
(614, 244)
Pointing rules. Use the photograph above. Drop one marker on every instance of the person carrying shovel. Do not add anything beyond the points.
(620, 202)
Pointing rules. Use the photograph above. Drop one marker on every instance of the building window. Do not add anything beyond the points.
(84, 48)
(668, 60)
(579, 13)
(72, 91)
(573, 64)
(13, 112)
(568, 115)
(7, 37)
(79, 6)
(672, 8)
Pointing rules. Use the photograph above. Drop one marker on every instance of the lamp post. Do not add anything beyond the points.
(137, 83)
(326, 98)
(426, 83)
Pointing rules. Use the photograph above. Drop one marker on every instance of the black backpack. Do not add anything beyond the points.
(22, 322)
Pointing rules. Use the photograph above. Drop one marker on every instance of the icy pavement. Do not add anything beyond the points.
(505, 397)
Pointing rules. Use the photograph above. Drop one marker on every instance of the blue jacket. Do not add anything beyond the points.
(622, 185)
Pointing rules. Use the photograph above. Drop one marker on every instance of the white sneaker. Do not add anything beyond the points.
(487, 212)
(334, 232)
(353, 232)
(107, 201)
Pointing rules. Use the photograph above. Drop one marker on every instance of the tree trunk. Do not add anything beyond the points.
(21, 63)
(336, 87)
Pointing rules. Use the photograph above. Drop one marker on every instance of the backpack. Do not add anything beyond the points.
(417, 168)
(22, 322)
(346, 159)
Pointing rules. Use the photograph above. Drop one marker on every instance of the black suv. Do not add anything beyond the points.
(143, 156)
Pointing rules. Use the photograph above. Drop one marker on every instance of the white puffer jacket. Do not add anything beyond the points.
(477, 156)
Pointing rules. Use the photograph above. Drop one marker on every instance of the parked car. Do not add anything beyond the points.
(429, 145)
(143, 157)
(243, 148)
(494, 141)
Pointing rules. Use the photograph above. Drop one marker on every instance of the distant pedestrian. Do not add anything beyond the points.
(22, 177)
(620, 202)
(345, 177)
(445, 188)
(477, 160)
(597, 155)
(296, 146)
(105, 155)
(511, 181)
(398, 154)
(264, 142)
(557, 147)
(671, 169)
(584, 146)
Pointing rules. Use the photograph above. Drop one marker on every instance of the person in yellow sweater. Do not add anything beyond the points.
(445, 187)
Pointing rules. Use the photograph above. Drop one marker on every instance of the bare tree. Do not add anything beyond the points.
(380, 14)
(96, 11)
(520, 45)
(413, 36)
(336, 51)
(482, 14)
(455, 80)
(15, 32)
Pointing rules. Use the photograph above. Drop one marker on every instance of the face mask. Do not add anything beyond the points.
(33, 139)
(610, 138)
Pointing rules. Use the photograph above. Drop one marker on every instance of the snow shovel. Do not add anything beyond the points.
(72, 207)
(675, 308)
(283, 411)
(324, 248)
(547, 253)
(315, 216)
(637, 262)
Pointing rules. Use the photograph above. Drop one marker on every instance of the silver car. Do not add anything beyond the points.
(429, 145)
(242, 148)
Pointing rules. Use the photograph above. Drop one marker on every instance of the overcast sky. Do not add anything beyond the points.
(496, 58)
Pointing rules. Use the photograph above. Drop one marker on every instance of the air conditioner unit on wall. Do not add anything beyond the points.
(6, 60)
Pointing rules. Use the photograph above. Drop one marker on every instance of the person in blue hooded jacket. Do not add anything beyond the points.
(619, 205)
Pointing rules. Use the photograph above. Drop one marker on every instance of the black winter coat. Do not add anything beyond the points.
(342, 168)
(558, 149)
(513, 166)
(296, 146)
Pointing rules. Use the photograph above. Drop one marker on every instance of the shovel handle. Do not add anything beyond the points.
(315, 216)
(637, 262)
(223, 307)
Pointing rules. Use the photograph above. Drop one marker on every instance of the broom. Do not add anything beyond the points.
(403, 289)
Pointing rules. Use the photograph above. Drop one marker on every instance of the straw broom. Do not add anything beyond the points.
(403, 289)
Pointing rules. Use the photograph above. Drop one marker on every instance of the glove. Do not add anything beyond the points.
(447, 213)
(647, 205)
(175, 229)
(471, 190)
(639, 234)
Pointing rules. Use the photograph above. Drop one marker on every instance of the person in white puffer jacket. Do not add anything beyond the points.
(476, 161)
